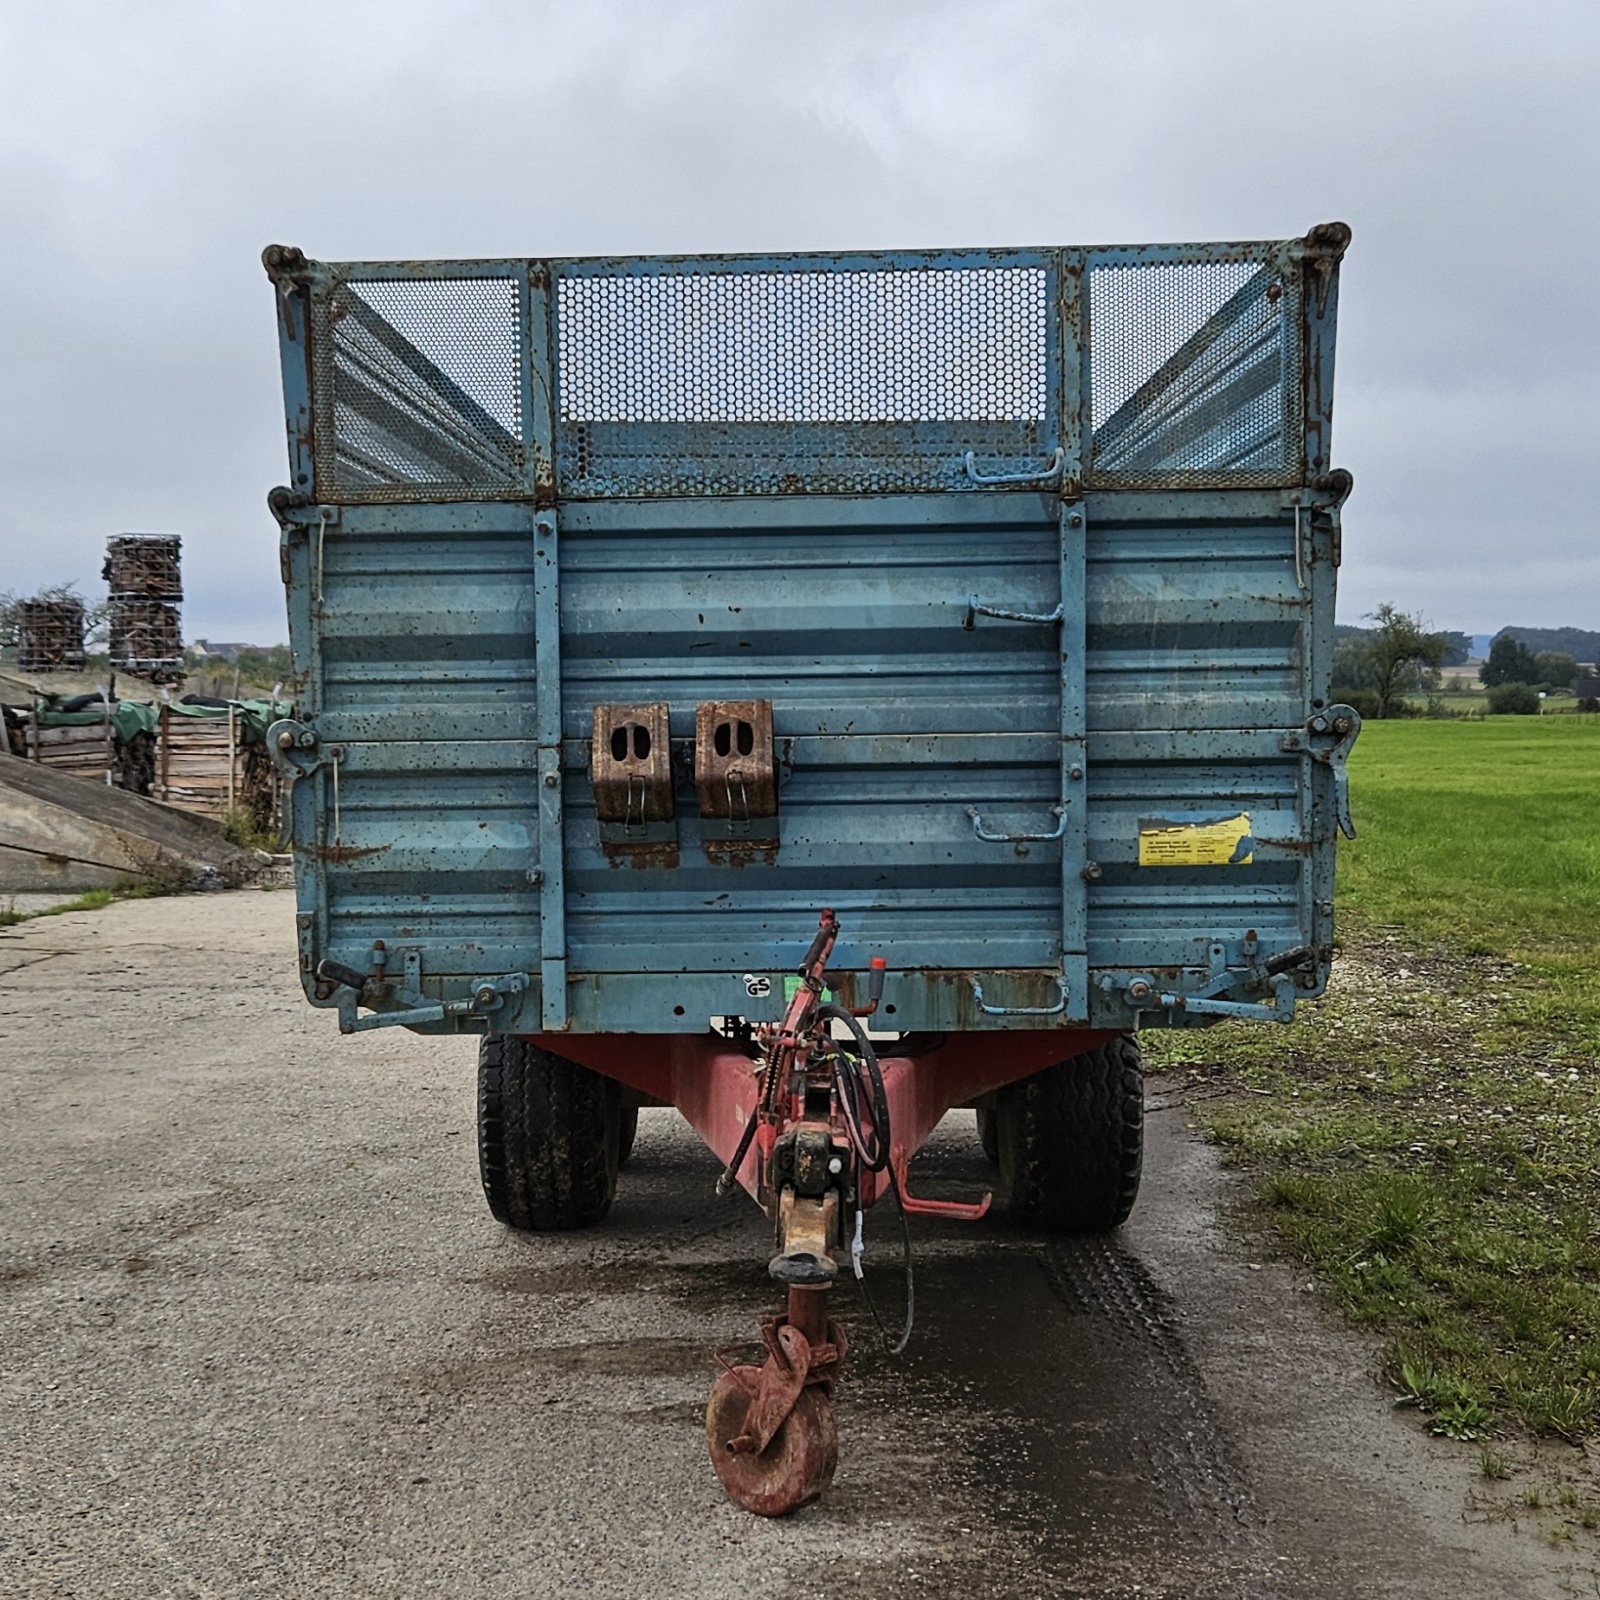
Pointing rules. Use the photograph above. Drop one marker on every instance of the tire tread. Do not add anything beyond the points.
(1071, 1141)
(548, 1134)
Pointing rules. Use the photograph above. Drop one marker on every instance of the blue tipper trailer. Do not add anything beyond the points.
(968, 613)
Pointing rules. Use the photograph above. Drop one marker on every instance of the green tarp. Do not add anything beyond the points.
(130, 717)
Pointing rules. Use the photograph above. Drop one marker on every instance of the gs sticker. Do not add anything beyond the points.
(757, 988)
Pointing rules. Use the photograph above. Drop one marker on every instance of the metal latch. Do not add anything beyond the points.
(736, 778)
(1244, 972)
(630, 771)
(489, 995)
(1327, 739)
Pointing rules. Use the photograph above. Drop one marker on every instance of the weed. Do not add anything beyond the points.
(89, 900)
(241, 828)
(1400, 1212)
(1493, 1465)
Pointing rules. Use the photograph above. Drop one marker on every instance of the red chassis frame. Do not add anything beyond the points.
(715, 1084)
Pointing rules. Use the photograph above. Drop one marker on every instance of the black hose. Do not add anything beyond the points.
(873, 1151)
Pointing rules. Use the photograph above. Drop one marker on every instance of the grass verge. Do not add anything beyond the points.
(1428, 1139)
(89, 900)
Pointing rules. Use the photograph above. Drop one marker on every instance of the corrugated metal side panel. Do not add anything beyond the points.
(853, 626)
(427, 686)
(892, 720)
(1199, 647)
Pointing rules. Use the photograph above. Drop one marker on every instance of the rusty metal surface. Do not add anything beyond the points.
(736, 781)
(633, 781)
(794, 1469)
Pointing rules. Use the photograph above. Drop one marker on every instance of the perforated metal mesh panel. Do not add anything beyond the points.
(1195, 373)
(419, 388)
(776, 381)
(806, 375)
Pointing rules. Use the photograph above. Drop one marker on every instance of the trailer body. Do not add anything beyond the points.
(1030, 552)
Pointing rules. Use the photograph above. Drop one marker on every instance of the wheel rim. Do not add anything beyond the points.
(798, 1463)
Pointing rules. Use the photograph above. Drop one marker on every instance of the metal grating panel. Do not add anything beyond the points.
(420, 388)
(778, 381)
(1195, 373)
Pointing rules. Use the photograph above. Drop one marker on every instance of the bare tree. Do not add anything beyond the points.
(1400, 648)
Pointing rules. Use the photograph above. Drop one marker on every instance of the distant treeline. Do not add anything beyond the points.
(1455, 648)
(1582, 644)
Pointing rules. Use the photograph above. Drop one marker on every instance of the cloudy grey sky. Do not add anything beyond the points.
(148, 151)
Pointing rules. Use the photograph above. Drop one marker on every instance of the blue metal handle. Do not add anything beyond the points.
(977, 608)
(1059, 811)
(1021, 1011)
(1048, 473)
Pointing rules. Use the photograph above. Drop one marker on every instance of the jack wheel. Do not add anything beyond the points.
(799, 1461)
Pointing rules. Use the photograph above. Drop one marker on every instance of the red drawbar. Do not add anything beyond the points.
(714, 1085)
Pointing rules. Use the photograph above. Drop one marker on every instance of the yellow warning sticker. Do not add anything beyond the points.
(1196, 839)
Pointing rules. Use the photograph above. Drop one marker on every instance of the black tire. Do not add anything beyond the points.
(549, 1137)
(989, 1135)
(627, 1132)
(1071, 1141)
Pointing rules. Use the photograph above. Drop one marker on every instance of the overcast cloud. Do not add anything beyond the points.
(147, 152)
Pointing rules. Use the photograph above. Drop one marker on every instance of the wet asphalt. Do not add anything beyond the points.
(259, 1336)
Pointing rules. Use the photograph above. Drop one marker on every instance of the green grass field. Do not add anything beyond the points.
(1486, 831)
(1428, 1139)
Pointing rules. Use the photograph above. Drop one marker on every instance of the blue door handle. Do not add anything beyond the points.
(1060, 812)
(1048, 473)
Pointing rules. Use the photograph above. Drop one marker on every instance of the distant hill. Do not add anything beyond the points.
(1583, 644)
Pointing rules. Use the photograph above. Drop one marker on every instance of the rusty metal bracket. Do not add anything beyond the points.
(795, 1361)
(736, 779)
(631, 773)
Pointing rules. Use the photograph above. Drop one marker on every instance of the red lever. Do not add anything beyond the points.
(876, 969)
(959, 1210)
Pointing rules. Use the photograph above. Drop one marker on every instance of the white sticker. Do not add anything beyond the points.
(757, 988)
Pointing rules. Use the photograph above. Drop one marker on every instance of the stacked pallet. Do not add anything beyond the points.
(146, 636)
(143, 573)
(89, 750)
(144, 566)
(200, 762)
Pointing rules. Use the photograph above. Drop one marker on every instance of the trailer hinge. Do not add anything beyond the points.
(1328, 738)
